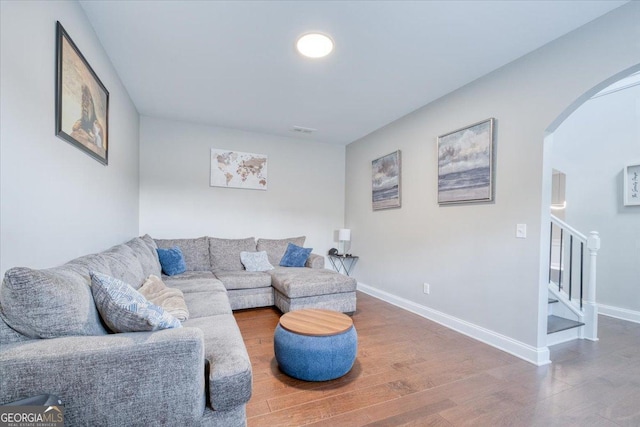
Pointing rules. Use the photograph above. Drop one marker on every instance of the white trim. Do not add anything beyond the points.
(560, 223)
(537, 356)
(564, 299)
(564, 336)
(619, 313)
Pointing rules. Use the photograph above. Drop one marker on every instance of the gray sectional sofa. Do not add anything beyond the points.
(53, 340)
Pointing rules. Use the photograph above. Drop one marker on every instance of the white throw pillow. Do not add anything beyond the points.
(255, 261)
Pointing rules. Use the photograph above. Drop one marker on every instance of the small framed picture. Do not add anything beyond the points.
(465, 164)
(631, 180)
(82, 101)
(385, 181)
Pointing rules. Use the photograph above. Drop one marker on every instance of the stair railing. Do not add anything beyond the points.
(565, 238)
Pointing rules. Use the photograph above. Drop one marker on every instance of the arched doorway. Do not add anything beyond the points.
(590, 144)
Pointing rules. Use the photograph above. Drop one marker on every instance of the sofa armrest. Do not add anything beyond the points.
(315, 261)
(117, 379)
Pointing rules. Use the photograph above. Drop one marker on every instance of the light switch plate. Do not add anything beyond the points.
(521, 231)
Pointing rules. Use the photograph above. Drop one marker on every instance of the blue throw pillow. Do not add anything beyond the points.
(295, 256)
(124, 309)
(172, 261)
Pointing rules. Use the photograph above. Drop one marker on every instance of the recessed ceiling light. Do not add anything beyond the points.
(314, 45)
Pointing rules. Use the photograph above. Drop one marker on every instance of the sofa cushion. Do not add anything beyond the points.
(295, 256)
(172, 261)
(124, 265)
(146, 255)
(7, 334)
(225, 253)
(209, 303)
(244, 279)
(195, 251)
(229, 377)
(188, 276)
(197, 284)
(49, 303)
(297, 282)
(85, 264)
(124, 309)
(255, 261)
(276, 248)
(170, 299)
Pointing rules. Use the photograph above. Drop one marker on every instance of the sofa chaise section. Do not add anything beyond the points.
(298, 288)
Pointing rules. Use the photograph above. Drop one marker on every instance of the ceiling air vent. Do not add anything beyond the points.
(300, 129)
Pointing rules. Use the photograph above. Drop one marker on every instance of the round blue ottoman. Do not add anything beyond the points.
(318, 357)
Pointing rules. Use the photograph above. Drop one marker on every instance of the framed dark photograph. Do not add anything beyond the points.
(82, 101)
(385, 181)
(465, 164)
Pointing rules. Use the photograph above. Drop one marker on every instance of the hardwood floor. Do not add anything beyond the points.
(413, 372)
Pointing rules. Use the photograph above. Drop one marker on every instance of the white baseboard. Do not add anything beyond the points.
(619, 313)
(537, 356)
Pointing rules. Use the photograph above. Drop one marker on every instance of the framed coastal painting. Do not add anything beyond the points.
(385, 181)
(465, 164)
(82, 101)
(235, 169)
(631, 185)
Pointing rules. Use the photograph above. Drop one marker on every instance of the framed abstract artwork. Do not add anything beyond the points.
(631, 185)
(82, 101)
(465, 164)
(385, 181)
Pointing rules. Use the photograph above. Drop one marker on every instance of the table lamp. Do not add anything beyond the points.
(344, 235)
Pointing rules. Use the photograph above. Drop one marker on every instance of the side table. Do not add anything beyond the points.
(343, 263)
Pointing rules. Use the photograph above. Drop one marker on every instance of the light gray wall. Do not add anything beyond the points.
(56, 201)
(305, 193)
(479, 272)
(592, 147)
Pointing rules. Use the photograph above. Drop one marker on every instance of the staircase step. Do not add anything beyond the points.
(552, 300)
(557, 324)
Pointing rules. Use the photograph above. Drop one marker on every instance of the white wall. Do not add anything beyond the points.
(305, 194)
(58, 203)
(482, 278)
(592, 147)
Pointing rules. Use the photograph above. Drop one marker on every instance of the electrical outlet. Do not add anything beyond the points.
(425, 288)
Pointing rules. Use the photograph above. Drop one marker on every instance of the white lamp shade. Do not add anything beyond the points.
(344, 234)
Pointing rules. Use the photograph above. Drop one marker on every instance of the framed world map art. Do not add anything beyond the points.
(235, 169)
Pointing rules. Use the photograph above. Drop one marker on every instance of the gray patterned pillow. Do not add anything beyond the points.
(124, 309)
(255, 261)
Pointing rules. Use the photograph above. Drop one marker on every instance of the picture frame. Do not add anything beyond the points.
(631, 185)
(386, 181)
(237, 169)
(466, 164)
(82, 101)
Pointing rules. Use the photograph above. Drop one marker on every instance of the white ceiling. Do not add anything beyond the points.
(233, 64)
